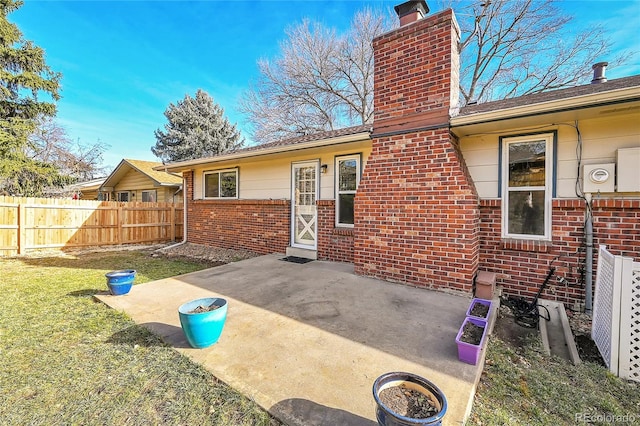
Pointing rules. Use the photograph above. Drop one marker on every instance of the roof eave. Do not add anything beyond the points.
(190, 164)
(576, 102)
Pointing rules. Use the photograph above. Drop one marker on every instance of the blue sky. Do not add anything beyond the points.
(123, 62)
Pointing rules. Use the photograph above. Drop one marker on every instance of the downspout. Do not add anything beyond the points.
(588, 267)
(184, 217)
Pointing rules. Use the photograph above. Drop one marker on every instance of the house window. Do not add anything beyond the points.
(347, 180)
(527, 176)
(221, 184)
(149, 196)
(123, 196)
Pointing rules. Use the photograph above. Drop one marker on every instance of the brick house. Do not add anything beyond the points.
(431, 193)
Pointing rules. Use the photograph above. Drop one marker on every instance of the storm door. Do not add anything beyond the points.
(304, 214)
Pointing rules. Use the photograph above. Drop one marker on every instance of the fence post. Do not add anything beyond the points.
(172, 220)
(120, 217)
(22, 228)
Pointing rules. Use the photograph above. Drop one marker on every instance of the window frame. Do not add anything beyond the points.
(338, 192)
(155, 195)
(123, 192)
(550, 139)
(219, 172)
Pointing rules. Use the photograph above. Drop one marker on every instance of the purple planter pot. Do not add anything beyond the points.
(475, 302)
(468, 352)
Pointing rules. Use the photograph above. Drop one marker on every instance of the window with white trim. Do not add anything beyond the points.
(123, 196)
(347, 181)
(527, 178)
(150, 196)
(221, 184)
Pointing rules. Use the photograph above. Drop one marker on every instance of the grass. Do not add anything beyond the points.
(69, 360)
(521, 386)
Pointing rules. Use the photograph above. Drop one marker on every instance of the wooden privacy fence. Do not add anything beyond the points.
(40, 223)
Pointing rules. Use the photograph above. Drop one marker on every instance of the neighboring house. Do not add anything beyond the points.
(136, 180)
(431, 193)
(87, 190)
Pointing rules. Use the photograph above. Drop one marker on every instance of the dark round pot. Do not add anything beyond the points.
(120, 282)
(203, 329)
(387, 417)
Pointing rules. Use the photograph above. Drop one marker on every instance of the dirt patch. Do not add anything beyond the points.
(580, 324)
(408, 402)
(202, 253)
(510, 332)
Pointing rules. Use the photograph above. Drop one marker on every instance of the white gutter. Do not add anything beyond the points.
(182, 165)
(577, 102)
(184, 218)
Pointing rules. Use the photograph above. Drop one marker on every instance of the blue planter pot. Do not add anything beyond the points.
(203, 329)
(120, 282)
(387, 417)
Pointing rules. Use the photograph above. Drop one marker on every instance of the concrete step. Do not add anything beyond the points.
(556, 335)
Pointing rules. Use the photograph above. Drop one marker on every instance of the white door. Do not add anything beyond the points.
(304, 215)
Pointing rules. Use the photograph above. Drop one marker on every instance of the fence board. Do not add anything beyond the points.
(36, 223)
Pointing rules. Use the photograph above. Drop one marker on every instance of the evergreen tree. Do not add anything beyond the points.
(24, 76)
(196, 128)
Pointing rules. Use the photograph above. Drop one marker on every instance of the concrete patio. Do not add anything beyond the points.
(307, 341)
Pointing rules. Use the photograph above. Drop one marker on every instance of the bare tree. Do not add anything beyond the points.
(320, 81)
(50, 144)
(511, 48)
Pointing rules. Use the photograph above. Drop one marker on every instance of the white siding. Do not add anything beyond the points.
(601, 138)
(270, 178)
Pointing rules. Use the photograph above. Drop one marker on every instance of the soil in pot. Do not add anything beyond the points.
(408, 402)
(479, 310)
(200, 309)
(471, 333)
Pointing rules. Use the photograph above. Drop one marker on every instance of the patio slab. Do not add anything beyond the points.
(307, 341)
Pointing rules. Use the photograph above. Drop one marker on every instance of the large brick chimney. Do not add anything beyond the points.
(417, 215)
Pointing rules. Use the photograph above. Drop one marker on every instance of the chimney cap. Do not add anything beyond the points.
(599, 72)
(412, 6)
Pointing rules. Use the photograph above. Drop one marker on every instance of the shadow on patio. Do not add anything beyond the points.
(307, 341)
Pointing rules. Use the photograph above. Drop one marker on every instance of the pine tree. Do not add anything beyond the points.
(24, 76)
(196, 128)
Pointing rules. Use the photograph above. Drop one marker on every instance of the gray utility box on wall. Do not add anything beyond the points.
(629, 170)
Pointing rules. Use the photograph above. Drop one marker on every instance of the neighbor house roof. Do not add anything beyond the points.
(314, 140)
(86, 185)
(159, 177)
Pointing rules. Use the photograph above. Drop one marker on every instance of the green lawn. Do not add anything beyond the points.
(67, 359)
(521, 386)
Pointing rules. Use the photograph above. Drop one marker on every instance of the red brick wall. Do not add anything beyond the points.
(415, 74)
(522, 266)
(334, 244)
(417, 216)
(261, 226)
